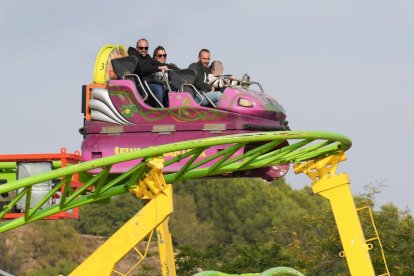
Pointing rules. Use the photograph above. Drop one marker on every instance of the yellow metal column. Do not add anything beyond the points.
(166, 249)
(336, 189)
(154, 215)
(103, 260)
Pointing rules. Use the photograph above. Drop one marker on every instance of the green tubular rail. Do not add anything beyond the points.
(302, 146)
(275, 271)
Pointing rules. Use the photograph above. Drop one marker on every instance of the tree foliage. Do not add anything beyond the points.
(104, 218)
(396, 230)
(187, 227)
(238, 257)
(240, 209)
(232, 225)
(38, 247)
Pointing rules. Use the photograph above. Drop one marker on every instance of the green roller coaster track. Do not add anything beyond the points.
(302, 146)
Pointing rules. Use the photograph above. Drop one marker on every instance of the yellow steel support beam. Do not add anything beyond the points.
(336, 189)
(166, 249)
(154, 215)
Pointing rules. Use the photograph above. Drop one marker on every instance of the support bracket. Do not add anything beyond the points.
(328, 184)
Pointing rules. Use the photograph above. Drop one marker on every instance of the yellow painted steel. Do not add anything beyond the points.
(154, 215)
(336, 189)
(166, 249)
(103, 260)
(375, 238)
(101, 74)
(154, 182)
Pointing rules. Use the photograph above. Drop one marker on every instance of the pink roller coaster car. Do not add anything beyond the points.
(118, 118)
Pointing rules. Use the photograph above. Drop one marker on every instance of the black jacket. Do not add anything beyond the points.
(202, 73)
(170, 66)
(146, 65)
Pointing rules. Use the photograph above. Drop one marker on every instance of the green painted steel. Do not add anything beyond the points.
(217, 273)
(281, 270)
(7, 165)
(302, 146)
(275, 271)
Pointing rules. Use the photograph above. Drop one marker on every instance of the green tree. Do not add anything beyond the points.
(240, 209)
(314, 242)
(232, 258)
(42, 245)
(186, 228)
(62, 267)
(255, 258)
(106, 217)
(230, 225)
(396, 230)
(11, 258)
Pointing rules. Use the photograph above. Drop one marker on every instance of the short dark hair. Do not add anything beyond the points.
(203, 50)
(156, 50)
(142, 39)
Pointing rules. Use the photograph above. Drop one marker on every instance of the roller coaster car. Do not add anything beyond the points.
(118, 118)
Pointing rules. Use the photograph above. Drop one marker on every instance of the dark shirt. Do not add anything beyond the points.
(146, 65)
(202, 73)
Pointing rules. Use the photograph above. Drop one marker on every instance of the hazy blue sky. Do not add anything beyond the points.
(341, 66)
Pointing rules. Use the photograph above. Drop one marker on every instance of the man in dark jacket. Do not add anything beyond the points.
(146, 66)
(202, 70)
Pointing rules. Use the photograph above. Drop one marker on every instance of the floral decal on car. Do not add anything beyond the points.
(128, 110)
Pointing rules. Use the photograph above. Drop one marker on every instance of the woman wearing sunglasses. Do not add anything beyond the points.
(160, 56)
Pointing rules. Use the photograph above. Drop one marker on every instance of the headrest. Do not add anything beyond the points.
(180, 77)
(124, 65)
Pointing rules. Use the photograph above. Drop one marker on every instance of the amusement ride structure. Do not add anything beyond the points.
(131, 146)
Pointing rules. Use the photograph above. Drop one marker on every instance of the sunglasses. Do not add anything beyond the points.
(162, 55)
(143, 48)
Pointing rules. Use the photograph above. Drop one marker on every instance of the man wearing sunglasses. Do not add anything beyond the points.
(147, 66)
